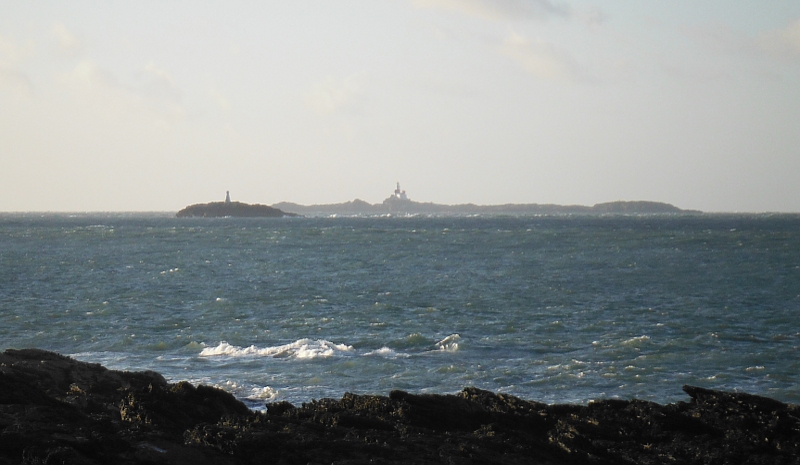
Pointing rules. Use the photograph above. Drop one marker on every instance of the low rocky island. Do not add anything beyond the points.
(409, 207)
(400, 204)
(56, 410)
(231, 209)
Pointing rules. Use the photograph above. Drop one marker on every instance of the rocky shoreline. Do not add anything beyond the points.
(54, 409)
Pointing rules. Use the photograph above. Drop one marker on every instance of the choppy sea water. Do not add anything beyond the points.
(555, 309)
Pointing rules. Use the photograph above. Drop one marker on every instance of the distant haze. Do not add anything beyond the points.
(152, 105)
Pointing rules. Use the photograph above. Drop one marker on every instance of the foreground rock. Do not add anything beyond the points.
(57, 410)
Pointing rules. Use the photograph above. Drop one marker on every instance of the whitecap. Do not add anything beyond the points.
(300, 349)
(449, 344)
(636, 340)
(265, 393)
(385, 352)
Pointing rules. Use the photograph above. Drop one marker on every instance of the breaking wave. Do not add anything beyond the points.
(636, 340)
(386, 352)
(300, 349)
(450, 343)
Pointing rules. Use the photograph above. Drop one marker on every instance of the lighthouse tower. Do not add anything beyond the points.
(399, 193)
(227, 196)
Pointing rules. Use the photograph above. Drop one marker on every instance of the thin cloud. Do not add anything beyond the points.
(160, 84)
(500, 9)
(220, 99)
(68, 43)
(332, 95)
(592, 16)
(159, 74)
(539, 58)
(87, 74)
(98, 88)
(15, 81)
(12, 78)
(783, 42)
(9, 51)
(722, 38)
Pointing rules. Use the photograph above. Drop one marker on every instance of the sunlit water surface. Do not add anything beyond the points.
(555, 309)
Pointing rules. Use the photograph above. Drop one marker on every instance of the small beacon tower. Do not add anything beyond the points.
(227, 196)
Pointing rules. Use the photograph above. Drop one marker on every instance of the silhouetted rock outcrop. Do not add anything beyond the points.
(640, 206)
(233, 209)
(54, 409)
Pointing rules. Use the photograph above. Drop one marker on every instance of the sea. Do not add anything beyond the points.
(556, 309)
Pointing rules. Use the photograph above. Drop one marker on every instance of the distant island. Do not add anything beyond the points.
(399, 204)
(232, 209)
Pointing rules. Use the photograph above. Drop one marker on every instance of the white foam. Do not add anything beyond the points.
(386, 352)
(265, 393)
(449, 344)
(300, 349)
(636, 340)
(247, 392)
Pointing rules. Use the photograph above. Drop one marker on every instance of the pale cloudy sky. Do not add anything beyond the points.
(154, 105)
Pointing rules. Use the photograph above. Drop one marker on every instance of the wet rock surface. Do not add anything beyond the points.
(56, 410)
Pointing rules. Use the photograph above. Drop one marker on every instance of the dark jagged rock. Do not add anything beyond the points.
(233, 209)
(54, 409)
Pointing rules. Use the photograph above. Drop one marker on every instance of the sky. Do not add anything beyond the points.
(155, 105)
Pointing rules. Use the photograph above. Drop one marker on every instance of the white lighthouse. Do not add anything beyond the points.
(227, 196)
(399, 193)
